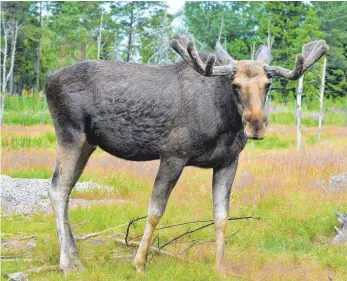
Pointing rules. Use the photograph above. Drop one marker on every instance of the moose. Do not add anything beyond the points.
(196, 112)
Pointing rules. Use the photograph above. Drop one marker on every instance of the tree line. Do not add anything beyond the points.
(40, 37)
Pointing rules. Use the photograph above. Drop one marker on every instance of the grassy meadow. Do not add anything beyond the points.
(287, 189)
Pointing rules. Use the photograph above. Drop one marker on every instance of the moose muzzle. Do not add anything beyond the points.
(255, 125)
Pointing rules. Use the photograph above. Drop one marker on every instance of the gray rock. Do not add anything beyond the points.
(338, 181)
(28, 196)
(18, 276)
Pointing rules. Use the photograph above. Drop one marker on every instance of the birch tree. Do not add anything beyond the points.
(10, 30)
(321, 98)
(299, 91)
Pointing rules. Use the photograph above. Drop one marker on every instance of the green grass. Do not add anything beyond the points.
(31, 173)
(278, 236)
(26, 111)
(287, 118)
(27, 118)
(271, 142)
(45, 140)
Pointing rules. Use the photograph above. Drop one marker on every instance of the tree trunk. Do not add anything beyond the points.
(13, 50)
(2, 108)
(298, 112)
(4, 58)
(11, 92)
(321, 99)
(38, 57)
(100, 33)
(129, 49)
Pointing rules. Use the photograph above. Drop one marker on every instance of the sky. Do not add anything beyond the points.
(174, 5)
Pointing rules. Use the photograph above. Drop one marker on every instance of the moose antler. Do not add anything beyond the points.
(311, 53)
(186, 49)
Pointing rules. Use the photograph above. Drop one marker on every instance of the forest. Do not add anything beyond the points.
(38, 38)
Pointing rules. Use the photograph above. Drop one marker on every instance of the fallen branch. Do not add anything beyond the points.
(34, 270)
(87, 236)
(11, 258)
(186, 233)
(29, 237)
(195, 243)
(132, 221)
(81, 223)
(153, 249)
(200, 221)
(202, 227)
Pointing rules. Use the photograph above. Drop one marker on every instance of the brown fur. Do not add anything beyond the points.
(251, 84)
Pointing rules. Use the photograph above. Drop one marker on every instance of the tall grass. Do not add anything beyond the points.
(26, 110)
(44, 140)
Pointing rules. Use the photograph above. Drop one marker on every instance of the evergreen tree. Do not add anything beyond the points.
(292, 24)
(333, 22)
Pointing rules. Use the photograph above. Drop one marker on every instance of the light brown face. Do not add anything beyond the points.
(250, 86)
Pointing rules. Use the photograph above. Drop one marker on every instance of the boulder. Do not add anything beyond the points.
(18, 276)
(338, 181)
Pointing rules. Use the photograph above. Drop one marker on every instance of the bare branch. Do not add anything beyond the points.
(153, 249)
(202, 227)
(81, 223)
(128, 228)
(87, 236)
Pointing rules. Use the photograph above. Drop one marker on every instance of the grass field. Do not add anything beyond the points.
(287, 189)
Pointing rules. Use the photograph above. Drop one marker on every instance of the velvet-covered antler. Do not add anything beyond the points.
(311, 53)
(186, 49)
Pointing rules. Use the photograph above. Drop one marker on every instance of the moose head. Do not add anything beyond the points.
(250, 79)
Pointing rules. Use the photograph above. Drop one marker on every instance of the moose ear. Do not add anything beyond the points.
(223, 55)
(263, 54)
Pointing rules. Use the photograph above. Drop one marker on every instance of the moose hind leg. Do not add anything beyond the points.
(169, 171)
(71, 160)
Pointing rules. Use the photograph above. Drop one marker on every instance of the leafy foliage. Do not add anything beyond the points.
(66, 32)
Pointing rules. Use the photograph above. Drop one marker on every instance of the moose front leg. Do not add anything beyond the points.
(169, 171)
(222, 181)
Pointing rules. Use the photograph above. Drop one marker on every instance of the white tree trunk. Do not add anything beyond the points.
(100, 33)
(13, 49)
(4, 58)
(321, 99)
(298, 112)
(3, 78)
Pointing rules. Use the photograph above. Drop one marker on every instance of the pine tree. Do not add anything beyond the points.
(292, 24)
(332, 21)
